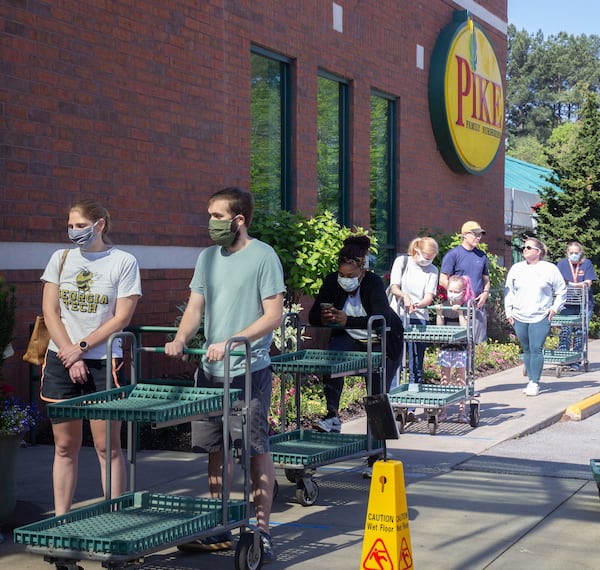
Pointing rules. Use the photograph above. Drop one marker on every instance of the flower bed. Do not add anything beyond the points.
(16, 416)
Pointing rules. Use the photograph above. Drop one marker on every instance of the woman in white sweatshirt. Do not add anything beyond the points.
(535, 291)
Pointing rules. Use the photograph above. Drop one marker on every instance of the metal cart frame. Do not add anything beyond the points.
(578, 296)
(301, 451)
(434, 397)
(119, 532)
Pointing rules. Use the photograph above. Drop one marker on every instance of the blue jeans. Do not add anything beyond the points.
(532, 337)
(416, 355)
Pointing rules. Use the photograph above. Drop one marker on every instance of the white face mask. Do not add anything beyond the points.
(455, 298)
(422, 261)
(574, 257)
(348, 284)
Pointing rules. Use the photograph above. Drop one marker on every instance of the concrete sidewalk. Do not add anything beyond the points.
(476, 497)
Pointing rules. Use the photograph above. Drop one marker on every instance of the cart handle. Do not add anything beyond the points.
(196, 351)
(151, 328)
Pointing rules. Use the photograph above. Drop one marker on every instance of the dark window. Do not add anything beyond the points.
(383, 179)
(333, 147)
(270, 137)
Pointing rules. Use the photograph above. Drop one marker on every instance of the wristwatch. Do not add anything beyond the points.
(83, 345)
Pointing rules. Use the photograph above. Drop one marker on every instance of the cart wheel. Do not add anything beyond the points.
(474, 415)
(275, 489)
(401, 422)
(558, 371)
(68, 566)
(433, 424)
(246, 556)
(599, 489)
(290, 475)
(586, 366)
(307, 496)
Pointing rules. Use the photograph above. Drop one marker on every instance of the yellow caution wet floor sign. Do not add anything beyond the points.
(386, 544)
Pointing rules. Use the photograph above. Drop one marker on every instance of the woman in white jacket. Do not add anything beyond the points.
(535, 291)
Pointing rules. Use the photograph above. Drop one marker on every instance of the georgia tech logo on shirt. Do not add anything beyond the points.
(84, 300)
(84, 280)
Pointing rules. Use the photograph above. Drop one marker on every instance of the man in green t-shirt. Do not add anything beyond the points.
(238, 289)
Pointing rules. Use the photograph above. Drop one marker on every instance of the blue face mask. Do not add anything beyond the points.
(574, 257)
(83, 237)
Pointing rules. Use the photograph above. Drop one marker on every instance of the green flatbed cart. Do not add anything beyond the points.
(433, 398)
(120, 531)
(301, 451)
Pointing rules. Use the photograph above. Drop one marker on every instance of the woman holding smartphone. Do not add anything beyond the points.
(346, 300)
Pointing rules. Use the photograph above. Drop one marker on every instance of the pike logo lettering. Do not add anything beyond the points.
(466, 96)
(386, 542)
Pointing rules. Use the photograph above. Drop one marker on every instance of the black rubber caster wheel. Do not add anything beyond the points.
(247, 556)
(307, 495)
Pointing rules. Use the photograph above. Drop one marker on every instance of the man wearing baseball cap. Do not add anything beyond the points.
(468, 259)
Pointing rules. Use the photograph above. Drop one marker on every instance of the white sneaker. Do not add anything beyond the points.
(328, 425)
(532, 389)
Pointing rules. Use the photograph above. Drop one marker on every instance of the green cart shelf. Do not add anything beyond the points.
(432, 397)
(131, 525)
(149, 403)
(309, 448)
(331, 362)
(428, 395)
(566, 320)
(434, 333)
(562, 356)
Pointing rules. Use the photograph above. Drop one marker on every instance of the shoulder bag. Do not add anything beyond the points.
(40, 337)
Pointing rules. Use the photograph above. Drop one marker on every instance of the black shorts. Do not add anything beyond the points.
(207, 435)
(56, 385)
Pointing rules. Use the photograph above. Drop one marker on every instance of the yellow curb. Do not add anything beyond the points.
(584, 409)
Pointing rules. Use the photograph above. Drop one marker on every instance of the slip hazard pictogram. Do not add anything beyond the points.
(378, 558)
(405, 562)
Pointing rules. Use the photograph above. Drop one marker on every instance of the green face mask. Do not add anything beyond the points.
(221, 231)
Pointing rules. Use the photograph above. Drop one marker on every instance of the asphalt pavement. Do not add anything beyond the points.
(515, 492)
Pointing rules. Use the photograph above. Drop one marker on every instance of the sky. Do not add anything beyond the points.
(553, 16)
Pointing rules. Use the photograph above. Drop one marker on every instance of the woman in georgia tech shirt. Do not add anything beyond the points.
(90, 292)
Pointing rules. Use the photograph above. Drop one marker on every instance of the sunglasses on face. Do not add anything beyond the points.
(528, 247)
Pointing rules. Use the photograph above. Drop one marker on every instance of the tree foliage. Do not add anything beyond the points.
(574, 211)
(547, 82)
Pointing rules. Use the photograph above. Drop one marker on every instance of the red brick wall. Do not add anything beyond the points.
(145, 106)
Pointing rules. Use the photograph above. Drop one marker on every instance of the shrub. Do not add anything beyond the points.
(307, 247)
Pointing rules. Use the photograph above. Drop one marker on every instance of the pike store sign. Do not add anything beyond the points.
(466, 98)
